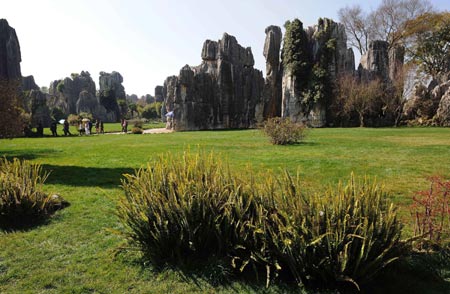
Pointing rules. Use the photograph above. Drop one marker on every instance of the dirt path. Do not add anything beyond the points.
(149, 131)
(157, 131)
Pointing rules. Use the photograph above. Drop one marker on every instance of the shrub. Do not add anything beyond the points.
(192, 209)
(136, 130)
(182, 210)
(283, 131)
(346, 235)
(431, 213)
(74, 119)
(22, 200)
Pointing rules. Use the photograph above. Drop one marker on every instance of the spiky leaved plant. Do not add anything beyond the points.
(22, 200)
(346, 235)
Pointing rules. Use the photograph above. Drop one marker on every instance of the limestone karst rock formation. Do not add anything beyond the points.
(29, 84)
(64, 94)
(159, 93)
(375, 63)
(272, 85)
(306, 96)
(110, 91)
(221, 93)
(442, 92)
(10, 56)
(40, 112)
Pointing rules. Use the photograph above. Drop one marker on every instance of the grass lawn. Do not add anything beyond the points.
(73, 253)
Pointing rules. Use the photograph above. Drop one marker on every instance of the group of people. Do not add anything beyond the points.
(86, 127)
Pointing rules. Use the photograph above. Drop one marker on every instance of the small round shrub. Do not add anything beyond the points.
(22, 200)
(136, 130)
(282, 131)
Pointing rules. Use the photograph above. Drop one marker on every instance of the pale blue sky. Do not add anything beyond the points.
(146, 41)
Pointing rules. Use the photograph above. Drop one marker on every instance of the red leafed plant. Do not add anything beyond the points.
(431, 211)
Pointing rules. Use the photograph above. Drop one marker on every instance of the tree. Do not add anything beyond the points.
(430, 33)
(355, 23)
(132, 108)
(12, 116)
(359, 98)
(386, 23)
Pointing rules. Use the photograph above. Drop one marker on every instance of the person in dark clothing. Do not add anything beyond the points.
(53, 128)
(40, 130)
(90, 127)
(102, 130)
(66, 128)
(97, 126)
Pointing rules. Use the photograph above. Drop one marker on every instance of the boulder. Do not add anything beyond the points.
(10, 56)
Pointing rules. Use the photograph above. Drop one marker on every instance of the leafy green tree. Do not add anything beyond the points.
(431, 50)
(123, 107)
(132, 108)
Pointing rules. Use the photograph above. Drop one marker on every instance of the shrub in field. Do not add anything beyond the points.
(431, 213)
(282, 131)
(136, 130)
(193, 208)
(187, 209)
(22, 201)
(346, 235)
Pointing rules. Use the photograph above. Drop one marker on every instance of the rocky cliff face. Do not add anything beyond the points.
(65, 93)
(442, 92)
(10, 57)
(29, 84)
(220, 93)
(272, 85)
(159, 93)
(111, 90)
(40, 112)
(375, 63)
(306, 97)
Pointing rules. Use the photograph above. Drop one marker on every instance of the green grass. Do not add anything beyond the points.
(73, 252)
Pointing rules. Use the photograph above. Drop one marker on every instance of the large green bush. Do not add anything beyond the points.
(192, 209)
(22, 200)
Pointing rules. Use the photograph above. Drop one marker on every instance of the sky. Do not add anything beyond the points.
(147, 40)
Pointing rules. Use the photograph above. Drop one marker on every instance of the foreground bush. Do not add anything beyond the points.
(186, 209)
(22, 201)
(193, 208)
(282, 131)
(431, 214)
(343, 236)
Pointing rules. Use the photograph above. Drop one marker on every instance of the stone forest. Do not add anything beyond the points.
(304, 71)
(326, 172)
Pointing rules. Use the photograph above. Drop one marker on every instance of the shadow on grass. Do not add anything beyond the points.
(85, 176)
(27, 154)
(208, 274)
(419, 273)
